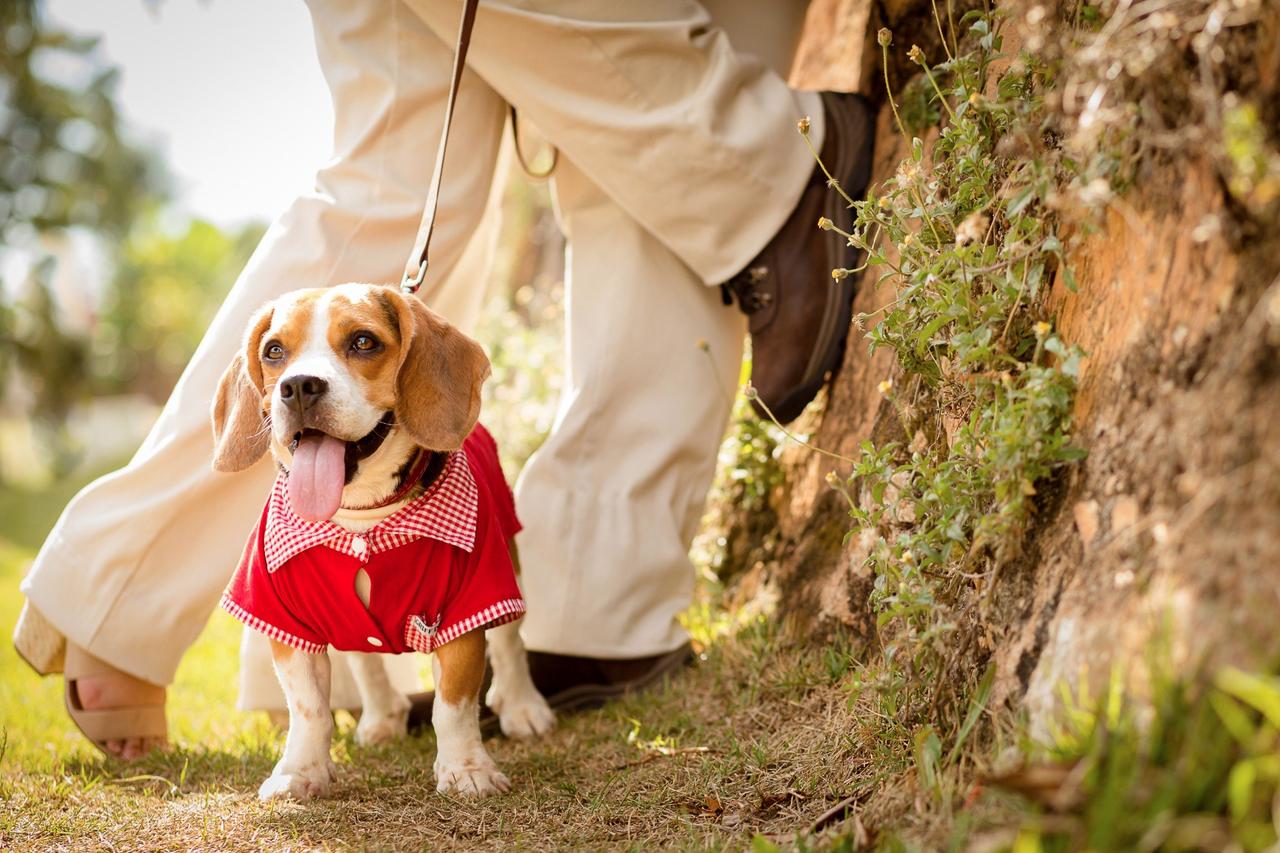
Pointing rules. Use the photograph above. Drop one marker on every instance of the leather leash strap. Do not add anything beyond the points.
(415, 271)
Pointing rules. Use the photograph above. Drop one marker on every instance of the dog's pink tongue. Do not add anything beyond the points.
(317, 476)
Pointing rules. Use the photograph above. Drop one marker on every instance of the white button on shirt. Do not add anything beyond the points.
(374, 641)
(359, 546)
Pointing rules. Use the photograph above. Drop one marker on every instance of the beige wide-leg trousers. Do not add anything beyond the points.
(679, 160)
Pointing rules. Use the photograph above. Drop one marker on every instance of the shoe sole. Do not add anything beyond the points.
(854, 173)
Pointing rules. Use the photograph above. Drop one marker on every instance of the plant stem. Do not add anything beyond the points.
(831, 181)
(941, 35)
(884, 66)
(941, 97)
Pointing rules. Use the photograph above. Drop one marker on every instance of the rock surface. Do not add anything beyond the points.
(1168, 536)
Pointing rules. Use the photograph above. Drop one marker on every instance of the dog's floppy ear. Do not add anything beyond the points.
(241, 432)
(441, 371)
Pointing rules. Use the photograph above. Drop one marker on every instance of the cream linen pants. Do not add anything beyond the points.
(679, 160)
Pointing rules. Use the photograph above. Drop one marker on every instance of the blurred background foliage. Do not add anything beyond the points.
(66, 170)
(105, 290)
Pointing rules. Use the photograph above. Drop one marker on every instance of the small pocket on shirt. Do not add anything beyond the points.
(420, 632)
(426, 629)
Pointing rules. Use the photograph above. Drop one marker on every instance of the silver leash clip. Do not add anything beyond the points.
(411, 285)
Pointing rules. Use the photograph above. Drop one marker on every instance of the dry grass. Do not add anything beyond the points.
(758, 738)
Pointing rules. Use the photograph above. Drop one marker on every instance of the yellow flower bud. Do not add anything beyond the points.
(803, 126)
(825, 224)
(884, 37)
(885, 386)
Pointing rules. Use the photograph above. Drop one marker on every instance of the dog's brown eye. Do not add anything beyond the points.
(273, 352)
(364, 343)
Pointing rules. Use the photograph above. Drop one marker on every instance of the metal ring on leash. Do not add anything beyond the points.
(411, 285)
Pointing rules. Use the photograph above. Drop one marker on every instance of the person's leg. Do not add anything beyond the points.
(611, 501)
(135, 565)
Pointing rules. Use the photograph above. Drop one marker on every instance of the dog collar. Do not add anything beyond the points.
(419, 468)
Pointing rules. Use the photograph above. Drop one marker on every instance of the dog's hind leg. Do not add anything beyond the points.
(462, 766)
(305, 770)
(521, 710)
(384, 711)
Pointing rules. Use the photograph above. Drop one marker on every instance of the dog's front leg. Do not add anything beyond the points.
(305, 770)
(462, 765)
(384, 711)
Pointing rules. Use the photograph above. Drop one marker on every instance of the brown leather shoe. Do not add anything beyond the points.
(572, 683)
(800, 316)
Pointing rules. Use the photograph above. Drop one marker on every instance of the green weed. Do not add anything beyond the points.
(984, 388)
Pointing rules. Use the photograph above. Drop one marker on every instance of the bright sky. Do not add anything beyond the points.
(229, 91)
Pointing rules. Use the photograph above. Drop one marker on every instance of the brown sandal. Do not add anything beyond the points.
(144, 720)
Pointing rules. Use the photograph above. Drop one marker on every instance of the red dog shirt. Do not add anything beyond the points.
(439, 566)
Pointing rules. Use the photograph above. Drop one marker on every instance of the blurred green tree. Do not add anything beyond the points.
(64, 164)
(165, 289)
(63, 160)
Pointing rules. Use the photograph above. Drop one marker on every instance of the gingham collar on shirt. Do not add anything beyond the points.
(445, 512)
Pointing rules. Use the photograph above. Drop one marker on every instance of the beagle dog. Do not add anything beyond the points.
(389, 528)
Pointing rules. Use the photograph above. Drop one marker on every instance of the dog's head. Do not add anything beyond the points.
(350, 378)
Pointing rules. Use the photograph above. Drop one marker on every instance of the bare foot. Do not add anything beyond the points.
(121, 690)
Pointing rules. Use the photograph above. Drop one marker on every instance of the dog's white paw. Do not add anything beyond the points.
(376, 728)
(525, 716)
(301, 786)
(476, 777)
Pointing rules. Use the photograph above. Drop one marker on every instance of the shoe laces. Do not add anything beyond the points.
(745, 288)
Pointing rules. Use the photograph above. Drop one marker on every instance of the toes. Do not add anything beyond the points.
(472, 782)
(374, 731)
(527, 720)
(114, 747)
(297, 787)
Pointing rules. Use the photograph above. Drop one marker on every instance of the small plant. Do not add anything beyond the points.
(984, 388)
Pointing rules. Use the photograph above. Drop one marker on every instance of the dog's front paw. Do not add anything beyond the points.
(523, 716)
(477, 777)
(383, 727)
(300, 786)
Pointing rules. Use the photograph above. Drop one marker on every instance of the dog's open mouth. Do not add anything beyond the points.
(323, 465)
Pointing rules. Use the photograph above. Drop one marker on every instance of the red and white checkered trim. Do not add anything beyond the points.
(446, 512)
(427, 641)
(270, 630)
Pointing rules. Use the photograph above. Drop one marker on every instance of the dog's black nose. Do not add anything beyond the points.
(301, 392)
